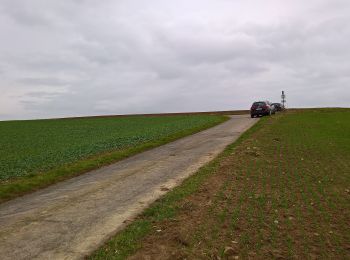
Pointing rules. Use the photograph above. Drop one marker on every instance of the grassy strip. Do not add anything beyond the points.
(128, 240)
(10, 189)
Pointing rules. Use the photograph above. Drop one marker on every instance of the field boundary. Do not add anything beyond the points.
(217, 113)
(224, 112)
(213, 113)
(10, 189)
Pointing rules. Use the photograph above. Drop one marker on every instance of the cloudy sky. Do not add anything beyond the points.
(90, 57)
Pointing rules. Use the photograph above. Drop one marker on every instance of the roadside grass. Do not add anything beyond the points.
(281, 191)
(32, 161)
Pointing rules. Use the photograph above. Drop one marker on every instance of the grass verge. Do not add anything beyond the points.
(12, 188)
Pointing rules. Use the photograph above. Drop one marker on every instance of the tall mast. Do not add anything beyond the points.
(283, 99)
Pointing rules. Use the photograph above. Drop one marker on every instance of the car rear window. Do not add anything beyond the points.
(259, 103)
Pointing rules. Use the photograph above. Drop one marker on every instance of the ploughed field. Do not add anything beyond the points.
(66, 146)
(280, 192)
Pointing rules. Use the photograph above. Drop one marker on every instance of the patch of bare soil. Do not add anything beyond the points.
(171, 238)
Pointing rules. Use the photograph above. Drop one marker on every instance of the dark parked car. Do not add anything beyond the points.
(262, 108)
(278, 106)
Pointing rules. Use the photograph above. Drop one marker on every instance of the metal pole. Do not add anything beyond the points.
(283, 99)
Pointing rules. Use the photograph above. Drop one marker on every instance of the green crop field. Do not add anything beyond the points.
(281, 192)
(28, 148)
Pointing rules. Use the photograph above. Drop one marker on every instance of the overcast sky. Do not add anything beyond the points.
(89, 57)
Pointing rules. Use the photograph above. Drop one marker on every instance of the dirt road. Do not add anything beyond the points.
(71, 219)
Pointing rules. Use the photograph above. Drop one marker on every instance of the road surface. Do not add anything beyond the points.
(71, 219)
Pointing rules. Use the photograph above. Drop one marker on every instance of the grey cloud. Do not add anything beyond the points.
(42, 94)
(67, 58)
(42, 81)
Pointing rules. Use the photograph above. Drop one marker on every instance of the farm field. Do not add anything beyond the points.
(281, 191)
(36, 153)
